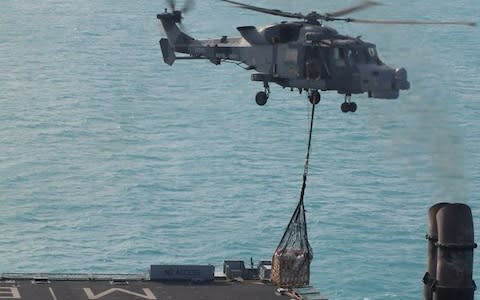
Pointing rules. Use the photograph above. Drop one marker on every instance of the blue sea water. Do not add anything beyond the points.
(111, 160)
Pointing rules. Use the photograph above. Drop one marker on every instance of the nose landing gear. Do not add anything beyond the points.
(262, 96)
(348, 105)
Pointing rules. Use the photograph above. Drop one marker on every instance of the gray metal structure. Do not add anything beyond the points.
(304, 55)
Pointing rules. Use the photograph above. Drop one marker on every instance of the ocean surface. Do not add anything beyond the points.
(111, 160)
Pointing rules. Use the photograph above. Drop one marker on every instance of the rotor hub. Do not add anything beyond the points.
(313, 17)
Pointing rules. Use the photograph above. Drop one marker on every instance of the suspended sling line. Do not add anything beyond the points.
(291, 260)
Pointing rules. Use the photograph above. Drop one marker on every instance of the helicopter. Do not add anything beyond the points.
(303, 55)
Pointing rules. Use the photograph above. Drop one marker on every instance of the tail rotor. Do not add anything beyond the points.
(171, 4)
(188, 5)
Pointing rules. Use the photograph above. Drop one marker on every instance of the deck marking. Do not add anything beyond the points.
(91, 296)
(53, 294)
(9, 293)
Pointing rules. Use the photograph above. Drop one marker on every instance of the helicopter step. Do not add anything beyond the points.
(262, 77)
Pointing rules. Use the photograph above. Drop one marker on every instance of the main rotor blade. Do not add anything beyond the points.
(412, 22)
(274, 12)
(171, 4)
(187, 6)
(354, 8)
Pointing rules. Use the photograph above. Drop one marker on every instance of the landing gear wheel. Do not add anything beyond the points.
(347, 105)
(261, 98)
(353, 106)
(314, 97)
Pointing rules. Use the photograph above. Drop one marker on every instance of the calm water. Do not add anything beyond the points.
(111, 160)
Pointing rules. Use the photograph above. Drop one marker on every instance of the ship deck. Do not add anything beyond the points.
(87, 287)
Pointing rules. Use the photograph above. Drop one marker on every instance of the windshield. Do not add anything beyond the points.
(355, 55)
(372, 55)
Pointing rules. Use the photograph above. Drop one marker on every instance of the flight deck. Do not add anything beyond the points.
(182, 282)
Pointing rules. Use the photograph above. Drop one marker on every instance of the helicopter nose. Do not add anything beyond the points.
(387, 83)
(401, 79)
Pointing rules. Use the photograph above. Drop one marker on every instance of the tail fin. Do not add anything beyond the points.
(177, 40)
(167, 51)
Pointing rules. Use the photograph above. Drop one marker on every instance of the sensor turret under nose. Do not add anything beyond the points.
(401, 79)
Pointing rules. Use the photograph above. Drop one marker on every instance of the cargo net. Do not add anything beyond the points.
(292, 258)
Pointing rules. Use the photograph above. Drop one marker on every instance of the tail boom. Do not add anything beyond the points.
(177, 39)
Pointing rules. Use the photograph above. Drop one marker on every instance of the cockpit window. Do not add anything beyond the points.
(343, 56)
(372, 55)
(282, 33)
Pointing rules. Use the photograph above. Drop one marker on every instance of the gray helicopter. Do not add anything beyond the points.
(304, 55)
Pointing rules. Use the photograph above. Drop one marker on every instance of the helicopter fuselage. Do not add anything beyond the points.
(296, 55)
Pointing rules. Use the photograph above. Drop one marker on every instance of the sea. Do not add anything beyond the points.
(111, 160)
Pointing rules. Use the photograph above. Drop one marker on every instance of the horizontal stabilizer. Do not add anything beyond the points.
(167, 51)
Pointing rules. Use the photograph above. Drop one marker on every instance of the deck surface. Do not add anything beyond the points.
(72, 289)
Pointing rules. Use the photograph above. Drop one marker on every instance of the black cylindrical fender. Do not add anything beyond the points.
(454, 253)
(432, 238)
